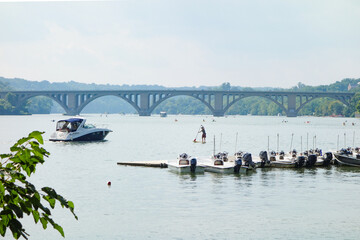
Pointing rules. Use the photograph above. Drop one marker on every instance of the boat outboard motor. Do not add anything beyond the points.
(272, 156)
(248, 160)
(238, 163)
(318, 152)
(357, 150)
(225, 156)
(281, 155)
(264, 158)
(184, 156)
(299, 161)
(239, 154)
(327, 158)
(193, 162)
(311, 160)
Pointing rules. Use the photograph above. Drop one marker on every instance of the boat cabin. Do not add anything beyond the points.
(69, 125)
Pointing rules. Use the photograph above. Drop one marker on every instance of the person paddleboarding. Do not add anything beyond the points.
(203, 136)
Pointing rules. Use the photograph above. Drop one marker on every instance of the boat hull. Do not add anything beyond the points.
(219, 169)
(185, 169)
(282, 164)
(92, 136)
(347, 160)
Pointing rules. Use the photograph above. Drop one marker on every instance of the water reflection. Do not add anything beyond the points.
(347, 169)
(186, 176)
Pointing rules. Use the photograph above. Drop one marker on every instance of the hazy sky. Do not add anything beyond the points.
(174, 43)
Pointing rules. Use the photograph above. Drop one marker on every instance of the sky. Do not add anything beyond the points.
(175, 43)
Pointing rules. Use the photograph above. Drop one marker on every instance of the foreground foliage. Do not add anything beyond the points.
(18, 196)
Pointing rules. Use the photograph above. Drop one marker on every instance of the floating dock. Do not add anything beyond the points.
(159, 163)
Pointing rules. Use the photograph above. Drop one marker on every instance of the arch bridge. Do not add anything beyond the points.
(145, 101)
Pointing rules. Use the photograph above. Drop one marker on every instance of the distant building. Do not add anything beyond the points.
(352, 86)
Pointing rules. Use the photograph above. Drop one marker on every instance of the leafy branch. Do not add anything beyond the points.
(18, 196)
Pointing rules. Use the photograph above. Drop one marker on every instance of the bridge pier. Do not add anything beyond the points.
(219, 105)
(291, 109)
(72, 105)
(144, 113)
(218, 113)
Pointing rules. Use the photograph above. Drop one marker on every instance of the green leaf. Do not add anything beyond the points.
(2, 189)
(21, 141)
(36, 216)
(15, 227)
(51, 201)
(2, 228)
(70, 204)
(37, 135)
(2, 156)
(60, 229)
(43, 222)
(17, 210)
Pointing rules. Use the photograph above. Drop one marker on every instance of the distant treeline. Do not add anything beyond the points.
(179, 104)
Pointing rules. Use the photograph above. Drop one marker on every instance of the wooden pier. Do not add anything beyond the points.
(158, 163)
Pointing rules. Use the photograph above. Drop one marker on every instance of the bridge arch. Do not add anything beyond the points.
(88, 100)
(23, 99)
(156, 99)
(301, 104)
(189, 100)
(235, 100)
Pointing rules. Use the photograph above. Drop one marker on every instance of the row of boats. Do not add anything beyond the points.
(242, 162)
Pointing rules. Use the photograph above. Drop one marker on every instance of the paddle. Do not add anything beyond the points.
(197, 134)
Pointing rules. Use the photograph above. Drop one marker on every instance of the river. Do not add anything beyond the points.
(154, 203)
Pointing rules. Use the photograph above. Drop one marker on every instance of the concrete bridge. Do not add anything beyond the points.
(145, 101)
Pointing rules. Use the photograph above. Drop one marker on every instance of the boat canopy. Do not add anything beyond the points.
(70, 125)
(73, 120)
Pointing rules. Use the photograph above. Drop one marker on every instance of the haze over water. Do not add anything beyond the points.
(154, 203)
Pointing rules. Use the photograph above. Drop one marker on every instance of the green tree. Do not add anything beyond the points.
(40, 105)
(18, 196)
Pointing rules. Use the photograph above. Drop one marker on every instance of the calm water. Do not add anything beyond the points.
(151, 203)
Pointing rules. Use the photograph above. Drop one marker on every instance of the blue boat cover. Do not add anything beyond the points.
(73, 120)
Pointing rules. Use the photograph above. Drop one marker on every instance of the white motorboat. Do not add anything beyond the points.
(185, 164)
(75, 129)
(284, 161)
(220, 163)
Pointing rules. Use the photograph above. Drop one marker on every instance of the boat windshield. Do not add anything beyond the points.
(89, 126)
(69, 125)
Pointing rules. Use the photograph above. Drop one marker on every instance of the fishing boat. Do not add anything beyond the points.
(76, 129)
(287, 161)
(263, 160)
(321, 159)
(220, 163)
(347, 157)
(185, 164)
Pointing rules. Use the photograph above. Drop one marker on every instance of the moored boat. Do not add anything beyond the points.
(185, 164)
(75, 129)
(284, 161)
(347, 157)
(220, 163)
